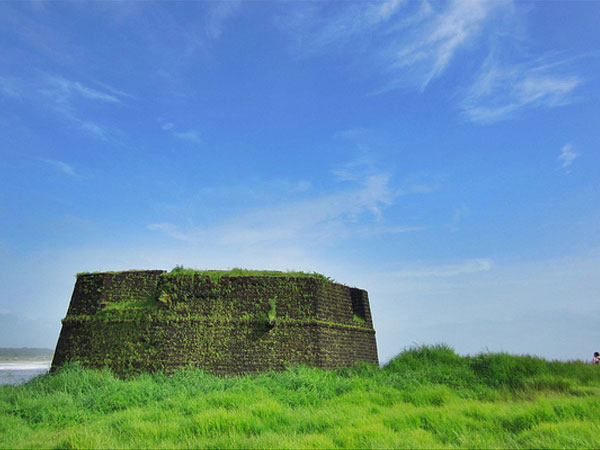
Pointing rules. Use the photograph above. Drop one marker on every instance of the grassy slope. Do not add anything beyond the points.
(426, 397)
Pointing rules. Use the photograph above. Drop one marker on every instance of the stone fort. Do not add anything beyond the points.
(222, 322)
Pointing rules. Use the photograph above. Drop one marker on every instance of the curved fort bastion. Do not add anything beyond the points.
(143, 321)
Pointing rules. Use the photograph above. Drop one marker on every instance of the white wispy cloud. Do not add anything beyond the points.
(355, 210)
(63, 167)
(567, 155)
(65, 97)
(217, 16)
(435, 41)
(446, 270)
(319, 29)
(9, 87)
(190, 136)
(172, 230)
(117, 92)
(458, 302)
(457, 216)
(257, 190)
(411, 42)
(351, 133)
(376, 230)
(320, 220)
(354, 170)
(91, 128)
(62, 89)
(501, 90)
(387, 9)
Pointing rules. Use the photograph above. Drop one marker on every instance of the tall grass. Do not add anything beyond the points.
(425, 397)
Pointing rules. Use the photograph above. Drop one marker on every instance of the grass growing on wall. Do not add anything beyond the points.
(216, 275)
(426, 397)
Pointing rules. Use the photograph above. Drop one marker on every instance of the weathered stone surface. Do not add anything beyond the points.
(143, 321)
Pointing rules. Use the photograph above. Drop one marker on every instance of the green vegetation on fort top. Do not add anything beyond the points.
(216, 275)
(237, 272)
(426, 397)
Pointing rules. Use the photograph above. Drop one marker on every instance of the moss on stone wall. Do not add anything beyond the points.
(224, 322)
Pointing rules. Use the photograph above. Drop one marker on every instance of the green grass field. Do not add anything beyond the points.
(426, 397)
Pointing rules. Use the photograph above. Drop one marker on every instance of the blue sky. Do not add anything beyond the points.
(441, 155)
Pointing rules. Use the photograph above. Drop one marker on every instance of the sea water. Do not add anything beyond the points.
(18, 372)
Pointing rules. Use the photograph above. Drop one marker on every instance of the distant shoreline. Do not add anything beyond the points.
(24, 365)
(25, 354)
(25, 361)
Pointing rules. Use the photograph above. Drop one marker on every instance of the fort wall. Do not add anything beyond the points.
(141, 321)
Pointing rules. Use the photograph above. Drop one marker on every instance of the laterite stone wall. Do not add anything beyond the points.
(144, 321)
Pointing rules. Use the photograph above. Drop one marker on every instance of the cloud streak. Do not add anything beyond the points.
(218, 14)
(412, 43)
(67, 98)
(434, 43)
(9, 87)
(63, 167)
(192, 136)
(321, 220)
(448, 270)
(63, 95)
(63, 90)
(567, 155)
(471, 304)
(502, 90)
